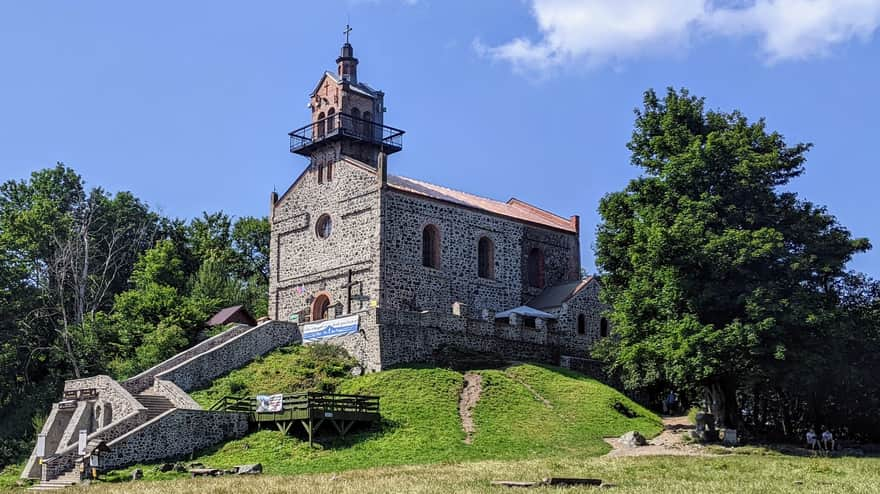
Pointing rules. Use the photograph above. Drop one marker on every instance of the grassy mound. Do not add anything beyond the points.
(286, 370)
(524, 411)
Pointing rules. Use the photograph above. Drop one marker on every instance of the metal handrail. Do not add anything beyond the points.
(346, 125)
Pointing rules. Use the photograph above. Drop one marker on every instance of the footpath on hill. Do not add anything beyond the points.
(670, 442)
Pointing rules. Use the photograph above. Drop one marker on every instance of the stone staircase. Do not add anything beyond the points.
(65, 480)
(156, 405)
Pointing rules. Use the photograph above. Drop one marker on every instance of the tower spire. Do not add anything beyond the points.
(346, 62)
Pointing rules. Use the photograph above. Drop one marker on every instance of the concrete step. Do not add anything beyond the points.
(156, 405)
(51, 486)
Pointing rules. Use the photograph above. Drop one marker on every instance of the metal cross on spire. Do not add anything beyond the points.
(347, 30)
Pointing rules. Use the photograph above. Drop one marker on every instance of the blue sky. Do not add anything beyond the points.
(187, 104)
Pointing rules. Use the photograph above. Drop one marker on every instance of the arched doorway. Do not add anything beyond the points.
(321, 307)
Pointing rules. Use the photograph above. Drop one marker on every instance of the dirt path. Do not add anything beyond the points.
(532, 390)
(470, 395)
(670, 442)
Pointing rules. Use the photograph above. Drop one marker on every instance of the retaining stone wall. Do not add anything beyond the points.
(202, 369)
(174, 434)
(415, 337)
(144, 380)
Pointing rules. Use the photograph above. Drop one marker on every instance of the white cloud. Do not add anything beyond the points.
(599, 31)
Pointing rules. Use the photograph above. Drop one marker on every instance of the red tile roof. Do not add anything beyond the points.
(514, 208)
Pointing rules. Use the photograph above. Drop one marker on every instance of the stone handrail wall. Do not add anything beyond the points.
(178, 397)
(53, 428)
(175, 433)
(144, 380)
(65, 459)
(120, 399)
(202, 369)
(81, 419)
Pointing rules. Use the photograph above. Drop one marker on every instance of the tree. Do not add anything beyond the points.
(716, 276)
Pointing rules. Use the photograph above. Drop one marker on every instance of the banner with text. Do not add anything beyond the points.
(333, 328)
(269, 403)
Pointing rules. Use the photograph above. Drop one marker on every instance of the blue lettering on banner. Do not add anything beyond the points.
(330, 329)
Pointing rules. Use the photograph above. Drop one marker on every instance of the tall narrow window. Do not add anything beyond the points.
(486, 259)
(431, 247)
(368, 125)
(321, 126)
(536, 268)
(328, 171)
(356, 121)
(320, 173)
(582, 324)
(603, 327)
(331, 121)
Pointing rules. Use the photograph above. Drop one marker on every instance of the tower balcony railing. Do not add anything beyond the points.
(304, 140)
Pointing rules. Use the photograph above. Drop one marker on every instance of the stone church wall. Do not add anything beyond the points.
(304, 265)
(586, 302)
(408, 285)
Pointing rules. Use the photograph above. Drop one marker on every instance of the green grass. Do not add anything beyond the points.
(421, 422)
(9, 476)
(286, 370)
(667, 475)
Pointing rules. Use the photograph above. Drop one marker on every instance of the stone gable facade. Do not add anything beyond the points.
(347, 238)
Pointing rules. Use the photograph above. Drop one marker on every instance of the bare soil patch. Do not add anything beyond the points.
(670, 442)
(470, 395)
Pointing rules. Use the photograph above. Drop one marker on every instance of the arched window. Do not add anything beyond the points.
(324, 226)
(321, 308)
(603, 327)
(328, 171)
(582, 324)
(536, 268)
(486, 259)
(431, 247)
(331, 121)
(368, 125)
(321, 125)
(320, 173)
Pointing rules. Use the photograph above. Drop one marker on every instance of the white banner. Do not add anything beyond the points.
(332, 328)
(270, 403)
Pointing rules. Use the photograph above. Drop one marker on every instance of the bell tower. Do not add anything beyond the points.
(347, 117)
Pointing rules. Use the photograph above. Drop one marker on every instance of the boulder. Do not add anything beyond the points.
(165, 467)
(729, 437)
(633, 439)
(249, 469)
(137, 474)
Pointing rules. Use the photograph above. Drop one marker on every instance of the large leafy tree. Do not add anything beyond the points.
(717, 275)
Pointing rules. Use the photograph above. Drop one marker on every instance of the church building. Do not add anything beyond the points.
(397, 269)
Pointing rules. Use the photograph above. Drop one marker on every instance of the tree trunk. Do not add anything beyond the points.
(721, 402)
